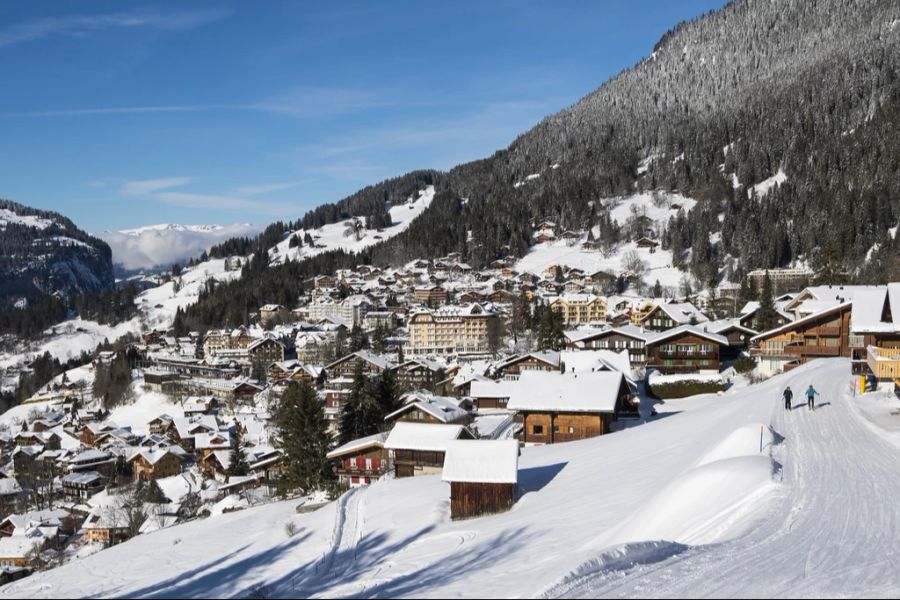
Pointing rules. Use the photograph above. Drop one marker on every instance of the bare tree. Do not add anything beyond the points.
(634, 264)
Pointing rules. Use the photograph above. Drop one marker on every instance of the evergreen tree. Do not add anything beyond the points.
(358, 339)
(237, 464)
(559, 276)
(153, 493)
(379, 334)
(360, 414)
(767, 314)
(496, 334)
(303, 440)
(520, 320)
(657, 290)
(387, 395)
(550, 333)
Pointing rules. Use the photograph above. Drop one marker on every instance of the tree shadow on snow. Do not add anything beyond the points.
(535, 478)
(207, 581)
(374, 567)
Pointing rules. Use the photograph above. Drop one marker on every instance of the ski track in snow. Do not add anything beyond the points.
(836, 511)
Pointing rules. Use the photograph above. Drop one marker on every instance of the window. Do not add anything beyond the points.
(537, 429)
(556, 429)
(571, 429)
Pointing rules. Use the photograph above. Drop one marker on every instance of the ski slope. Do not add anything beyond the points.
(683, 506)
(833, 534)
(331, 237)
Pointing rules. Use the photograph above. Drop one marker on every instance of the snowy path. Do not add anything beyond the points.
(839, 525)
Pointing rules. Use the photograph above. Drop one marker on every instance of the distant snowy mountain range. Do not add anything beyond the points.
(167, 243)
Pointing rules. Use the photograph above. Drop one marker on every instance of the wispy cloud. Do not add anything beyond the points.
(315, 101)
(148, 186)
(212, 201)
(265, 188)
(160, 190)
(84, 25)
(494, 123)
(113, 110)
(299, 103)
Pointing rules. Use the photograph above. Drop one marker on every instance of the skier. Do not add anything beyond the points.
(788, 396)
(811, 394)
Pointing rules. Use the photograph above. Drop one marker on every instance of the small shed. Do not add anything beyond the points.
(483, 476)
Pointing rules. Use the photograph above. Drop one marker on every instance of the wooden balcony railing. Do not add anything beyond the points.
(808, 349)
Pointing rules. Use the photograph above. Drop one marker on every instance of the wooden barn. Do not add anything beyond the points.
(483, 476)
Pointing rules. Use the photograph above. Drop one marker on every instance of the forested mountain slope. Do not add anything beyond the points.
(44, 254)
(780, 117)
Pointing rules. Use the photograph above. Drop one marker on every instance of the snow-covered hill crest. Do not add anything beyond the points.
(165, 244)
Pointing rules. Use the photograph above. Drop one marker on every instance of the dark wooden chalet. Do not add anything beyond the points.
(566, 407)
(685, 349)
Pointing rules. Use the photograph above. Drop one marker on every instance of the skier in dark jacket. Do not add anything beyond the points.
(788, 397)
(811, 394)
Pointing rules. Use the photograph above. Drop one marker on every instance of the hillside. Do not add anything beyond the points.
(44, 254)
(686, 505)
(779, 118)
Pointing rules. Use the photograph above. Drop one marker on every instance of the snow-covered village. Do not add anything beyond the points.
(670, 371)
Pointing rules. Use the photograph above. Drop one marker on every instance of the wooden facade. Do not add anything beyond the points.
(411, 463)
(167, 466)
(529, 362)
(362, 467)
(617, 341)
(826, 334)
(548, 427)
(684, 353)
(658, 320)
(413, 375)
(471, 499)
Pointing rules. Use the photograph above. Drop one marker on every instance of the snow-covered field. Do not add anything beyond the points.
(659, 263)
(146, 405)
(331, 237)
(69, 339)
(684, 506)
(159, 304)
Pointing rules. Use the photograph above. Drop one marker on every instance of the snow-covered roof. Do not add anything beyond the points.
(682, 312)
(482, 461)
(698, 330)
(585, 361)
(442, 408)
(263, 340)
(370, 441)
(489, 388)
(549, 357)
(798, 322)
(422, 436)
(868, 306)
(370, 357)
(725, 324)
(596, 391)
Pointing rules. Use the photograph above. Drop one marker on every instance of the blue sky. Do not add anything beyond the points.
(125, 114)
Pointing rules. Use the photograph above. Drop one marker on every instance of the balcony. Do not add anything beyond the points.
(831, 331)
(812, 350)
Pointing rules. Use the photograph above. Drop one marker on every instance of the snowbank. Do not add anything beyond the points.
(752, 439)
(711, 503)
